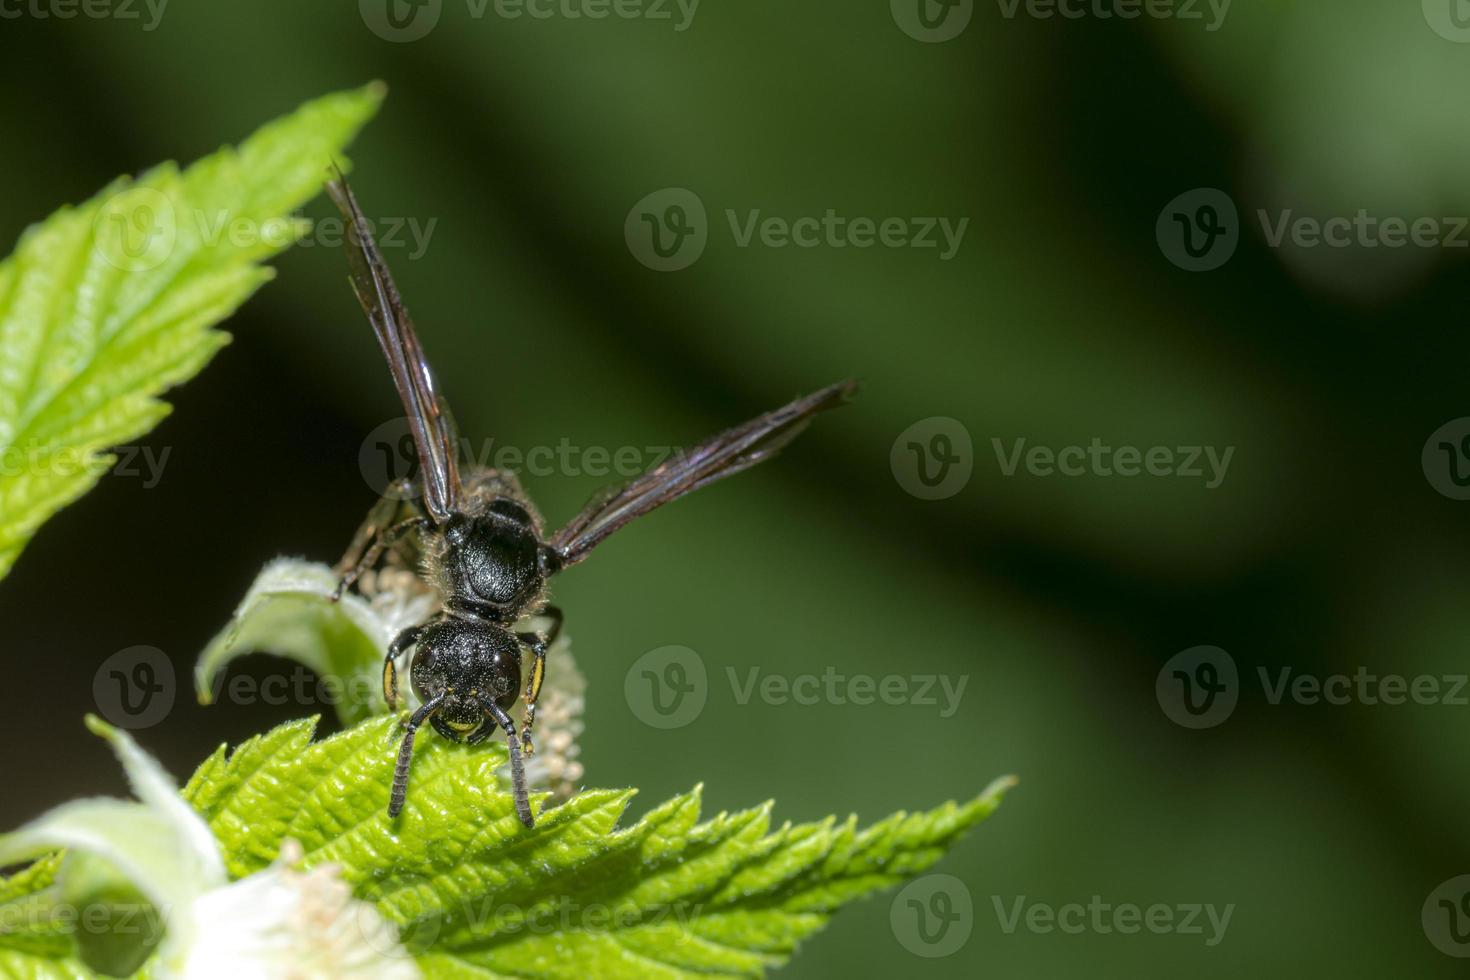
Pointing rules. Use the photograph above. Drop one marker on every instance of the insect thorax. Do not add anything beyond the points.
(486, 560)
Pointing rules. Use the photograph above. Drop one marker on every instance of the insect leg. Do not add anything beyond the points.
(537, 645)
(557, 617)
(385, 540)
(405, 755)
(517, 771)
(378, 517)
(401, 642)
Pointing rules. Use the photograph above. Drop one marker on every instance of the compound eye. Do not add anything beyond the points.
(424, 675)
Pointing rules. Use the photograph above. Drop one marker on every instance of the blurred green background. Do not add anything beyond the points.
(1060, 320)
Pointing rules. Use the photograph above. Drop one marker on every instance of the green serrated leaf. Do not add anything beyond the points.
(28, 930)
(105, 305)
(475, 894)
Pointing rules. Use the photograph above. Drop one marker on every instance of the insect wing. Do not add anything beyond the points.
(726, 454)
(428, 414)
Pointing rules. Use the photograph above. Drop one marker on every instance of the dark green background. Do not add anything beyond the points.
(1325, 550)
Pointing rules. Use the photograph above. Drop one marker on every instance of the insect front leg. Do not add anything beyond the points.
(400, 643)
(405, 755)
(384, 540)
(517, 771)
(538, 644)
(379, 516)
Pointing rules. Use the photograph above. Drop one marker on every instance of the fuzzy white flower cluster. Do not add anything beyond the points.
(283, 924)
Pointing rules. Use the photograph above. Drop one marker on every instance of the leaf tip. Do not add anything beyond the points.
(100, 728)
(999, 788)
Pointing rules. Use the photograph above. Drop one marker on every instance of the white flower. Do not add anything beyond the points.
(277, 924)
(282, 924)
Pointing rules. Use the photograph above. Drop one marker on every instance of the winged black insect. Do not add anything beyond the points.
(481, 543)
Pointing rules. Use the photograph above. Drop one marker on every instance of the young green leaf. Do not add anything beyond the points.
(105, 305)
(476, 894)
(289, 612)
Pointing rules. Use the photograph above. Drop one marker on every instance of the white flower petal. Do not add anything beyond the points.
(282, 924)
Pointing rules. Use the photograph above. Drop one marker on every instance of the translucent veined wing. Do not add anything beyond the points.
(429, 419)
(724, 455)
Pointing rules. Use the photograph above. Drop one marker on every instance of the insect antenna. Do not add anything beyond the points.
(405, 755)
